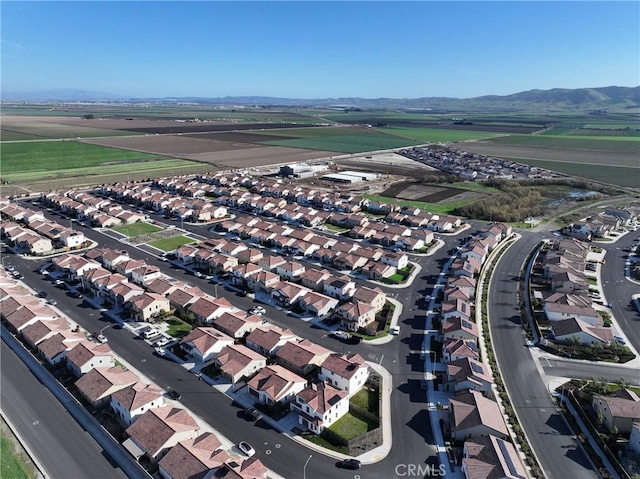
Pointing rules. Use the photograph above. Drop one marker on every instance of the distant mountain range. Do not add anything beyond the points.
(557, 99)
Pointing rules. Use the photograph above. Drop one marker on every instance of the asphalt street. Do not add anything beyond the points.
(549, 436)
(62, 447)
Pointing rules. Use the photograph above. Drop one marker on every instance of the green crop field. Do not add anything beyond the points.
(169, 244)
(48, 156)
(10, 135)
(136, 229)
(615, 175)
(615, 144)
(347, 143)
(427, 135)
(319, 132)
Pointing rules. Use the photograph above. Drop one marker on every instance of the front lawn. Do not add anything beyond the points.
(322, 442)
(177, 328)
(350, 426)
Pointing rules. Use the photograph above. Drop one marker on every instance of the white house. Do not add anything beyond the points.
(345, 372)
(134, 400)
(320, 405)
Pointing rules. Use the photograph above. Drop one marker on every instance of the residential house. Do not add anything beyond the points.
(196, 458)
(147, 306)
(466, 373)
(340, 288)
(319, 405)
(55, 348)
(302, 357)
(288, 294)
(471, 415)
(86, 355)
(355, 315)
(268, 338)
(275, 384)
(491, 457)
(238, 362)
(207, 309)
(573, 329)
(237, 326)
(347, 372)
(131, 402)
(620, 409)
(99, 384)
(202, 344)
(157, 430)
(455, 349)
(458, 328)
(318, 304)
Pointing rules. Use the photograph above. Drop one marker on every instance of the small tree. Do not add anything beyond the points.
(599, 419)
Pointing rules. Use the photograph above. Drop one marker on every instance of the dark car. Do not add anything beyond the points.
(349, 464)
(173, 394)
(42, 294)
(253, 414)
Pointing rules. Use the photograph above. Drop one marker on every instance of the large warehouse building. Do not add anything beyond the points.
(350, 177)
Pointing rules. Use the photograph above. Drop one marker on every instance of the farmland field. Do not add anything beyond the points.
(65, 155)
(428, 135)
(348, 143)
(615, 175)
(616, 144)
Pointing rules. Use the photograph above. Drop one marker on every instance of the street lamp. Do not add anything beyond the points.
(304, 470)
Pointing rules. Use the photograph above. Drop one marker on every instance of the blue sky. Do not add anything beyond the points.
(319, 49)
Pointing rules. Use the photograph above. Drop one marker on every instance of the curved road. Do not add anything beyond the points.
(549, 436)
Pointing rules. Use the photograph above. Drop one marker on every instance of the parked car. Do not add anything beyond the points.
(198, 274)
(173, 394)
(162, 342)
(395, 330)
(160, 352)
(349, 464)
(340, 335)
(246, 448)
(150, 333)
(42, 294)
(253, 414)
(619, 339)
(52, 302)
(100, 338)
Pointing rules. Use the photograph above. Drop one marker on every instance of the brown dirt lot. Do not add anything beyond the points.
(237, 137)
(428, 193)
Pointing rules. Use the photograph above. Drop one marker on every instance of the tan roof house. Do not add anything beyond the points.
(86, 355)
(471, 415)
(202, 344)
(275, 384)
(130, 402)
(267, 339)
(100, 383)
(237, 362)
(158, 429)
(302, 357)
(195, 458)
(490, 457)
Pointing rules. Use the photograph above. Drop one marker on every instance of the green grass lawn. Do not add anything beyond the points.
(47, 156)
(136, 229)
(350, 426)
(337, 229)
(177, 328)
(169, 244)
(322, 442)
(10, 464)
(367, 400)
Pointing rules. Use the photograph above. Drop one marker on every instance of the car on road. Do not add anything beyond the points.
(595, 295)
(76, 294)
(161, 342)
(42, 294)
(100, 338)
(198, 274)
(160, 352)
(619, 339)
(246, 448)
(173, 394)
(256, 311)
(349, 464)
(253, 414)
(52, 302)
(395, 330)
(428, 297)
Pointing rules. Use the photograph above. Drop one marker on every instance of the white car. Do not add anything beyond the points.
(150, 333)
(395, 330)
(160, 352)
(101, 339)
(162, 342)
(340, 335)
(246, 448)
